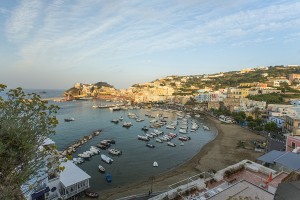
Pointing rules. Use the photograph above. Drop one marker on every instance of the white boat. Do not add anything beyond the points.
(158, 140)
(206, 128)
(115, 152)
(116, 108)
(181, 144)
(171, 144)
(144, 138)
(106, 159)
(197, 116)
(154, 134)
(149, 135)
(171, 127)
(127, 124)
(78, 160)
(182, 131)
(121, 118)
(101, 168)
(84, 155)
(155, 164)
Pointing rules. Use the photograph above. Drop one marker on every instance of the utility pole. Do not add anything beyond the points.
(151, 178)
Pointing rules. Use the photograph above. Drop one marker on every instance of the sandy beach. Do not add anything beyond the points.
(216, 155)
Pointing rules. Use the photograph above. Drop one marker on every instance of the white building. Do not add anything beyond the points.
(49, 184)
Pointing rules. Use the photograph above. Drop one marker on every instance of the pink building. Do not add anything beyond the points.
(292, 142)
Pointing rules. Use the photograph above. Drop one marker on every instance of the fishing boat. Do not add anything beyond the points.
(101, 168)
(150, 145)
(171, 144)
(106, 159)
(108, 177)
(69, 119)
(155, 164)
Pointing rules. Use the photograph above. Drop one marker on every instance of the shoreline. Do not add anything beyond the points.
(212, 156)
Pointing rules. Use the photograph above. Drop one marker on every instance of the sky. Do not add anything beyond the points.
(54, 44)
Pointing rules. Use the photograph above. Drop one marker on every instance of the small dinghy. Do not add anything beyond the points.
(101, 168)
(108, 177)
(155, 164)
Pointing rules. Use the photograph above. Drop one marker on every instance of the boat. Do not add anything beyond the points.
(171, 127)
(101, 168)
(155, 164)
(101, 146)
(144, 138)
(197, 116)
(116, 108)
(106, 159)
(121, 118)
(69, 119)
(181, 144)
(206, 128)
(84, 155)
(158, 140)
(105, 143)
(149, 135)
(115, 121)
(150, 145)
(139, 120)
(184, 138)
(182, 131)
(127, 124)
(115, 152)
(91, 194)
(78, 160)
(145, 128)
(171, 144)
(108, 177)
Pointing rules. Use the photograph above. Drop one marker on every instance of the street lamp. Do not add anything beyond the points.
(151, 178)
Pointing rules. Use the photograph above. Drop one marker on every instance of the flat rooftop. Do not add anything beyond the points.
(243, 189)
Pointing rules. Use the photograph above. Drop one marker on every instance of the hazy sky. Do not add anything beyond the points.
(55, 43)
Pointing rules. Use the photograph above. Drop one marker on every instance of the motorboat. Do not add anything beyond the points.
(155, 164)
(158, 132)
(158, 140)
(108, 177)
(105, 143)
(106, 159)
(197, 116)
(181, 144)
(139, 120)
(127, 124)
(115, 121)
(184, 138)
(206, 128)
(144, 138)
(84, 155)
(149, 135)
(121, 118)
(101, 168)
(171, 144)
(171, 127)
(69, 119)
(145, 128)
(154, 134)
(182, 131)
(115, 152)
(115, 108)
(78, 160)
(150, 145)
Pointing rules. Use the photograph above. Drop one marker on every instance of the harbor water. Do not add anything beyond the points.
(136, 162)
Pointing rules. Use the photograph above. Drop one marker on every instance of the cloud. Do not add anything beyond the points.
(23, 19)
(66, 34)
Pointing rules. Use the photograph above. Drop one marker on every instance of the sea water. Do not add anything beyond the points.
(136, 162)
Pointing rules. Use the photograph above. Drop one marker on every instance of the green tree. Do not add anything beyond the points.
(249, 118)
(251, 124)
(25, 122)
(271, 126)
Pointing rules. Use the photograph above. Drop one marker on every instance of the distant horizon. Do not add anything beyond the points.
(139, 82)
(54, 44)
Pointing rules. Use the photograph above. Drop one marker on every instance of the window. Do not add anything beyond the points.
(293, 145)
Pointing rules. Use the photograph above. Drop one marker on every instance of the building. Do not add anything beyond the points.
(278, 120)
(55, 180)
(292, 77)
(243, 179)
(292, 143)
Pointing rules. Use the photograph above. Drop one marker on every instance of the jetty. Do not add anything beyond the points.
(72, 148)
